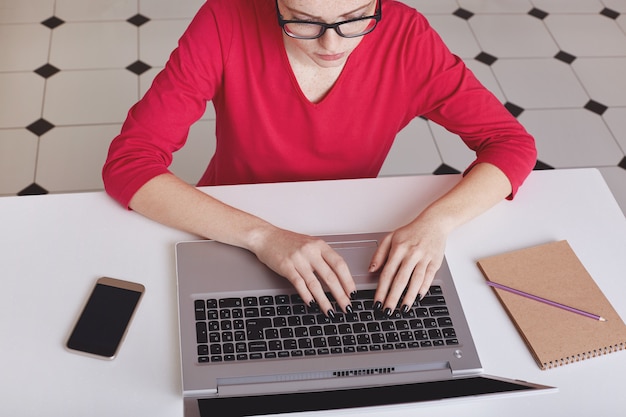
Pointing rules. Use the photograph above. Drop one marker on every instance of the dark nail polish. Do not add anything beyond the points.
(405, 308)
(378, 305)
(387, 312)
(353, 295)
(349, 309)
(331, 314)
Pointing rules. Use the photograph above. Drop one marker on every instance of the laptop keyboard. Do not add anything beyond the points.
(282, 326)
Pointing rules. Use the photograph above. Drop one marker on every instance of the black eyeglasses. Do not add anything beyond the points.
(353, 28)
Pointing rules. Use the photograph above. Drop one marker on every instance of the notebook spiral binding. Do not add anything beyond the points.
(582, 356)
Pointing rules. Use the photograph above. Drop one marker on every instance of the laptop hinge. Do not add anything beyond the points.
(358, 381)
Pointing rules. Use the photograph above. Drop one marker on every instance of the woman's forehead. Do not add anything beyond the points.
(322, 9)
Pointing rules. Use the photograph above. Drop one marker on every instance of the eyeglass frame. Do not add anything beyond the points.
(325, 26)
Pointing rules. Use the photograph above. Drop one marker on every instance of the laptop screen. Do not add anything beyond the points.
(362, 397)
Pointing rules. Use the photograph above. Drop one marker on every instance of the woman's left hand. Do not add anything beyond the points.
(410, 256)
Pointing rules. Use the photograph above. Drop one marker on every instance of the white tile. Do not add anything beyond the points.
(23, 47)
(621, 21)
(616, 180)
(601, 36)
(452, 149)
(157, 40)
(20, 11)
(496, 6)
(539, 83)
(21, 98)
(603, 78)
(616, 120)
(71, 158)
(413, 151)
(81, 10)
(569, 6)
(485, 75)
(168, 9)
(456, 34)
(617, 5)
(18, 153)
(94, 45)
(191, 161)
(506, 36)
(429, 6)
(90, 97)
(571, 138)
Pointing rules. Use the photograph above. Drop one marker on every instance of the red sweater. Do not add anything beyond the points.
(267, 131)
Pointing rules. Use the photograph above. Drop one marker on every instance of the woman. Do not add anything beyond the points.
(311, 90)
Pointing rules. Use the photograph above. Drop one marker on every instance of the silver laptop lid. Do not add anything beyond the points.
(208, 269)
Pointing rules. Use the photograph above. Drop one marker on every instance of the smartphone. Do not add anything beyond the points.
(105, 318)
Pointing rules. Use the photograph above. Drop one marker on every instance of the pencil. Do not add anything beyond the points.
(545, 301)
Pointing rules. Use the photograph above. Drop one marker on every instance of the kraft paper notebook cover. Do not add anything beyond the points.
(555, 336)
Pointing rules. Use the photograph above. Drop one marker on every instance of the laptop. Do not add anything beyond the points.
(249, 345)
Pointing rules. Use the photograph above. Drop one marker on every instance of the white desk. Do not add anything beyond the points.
(52, 248)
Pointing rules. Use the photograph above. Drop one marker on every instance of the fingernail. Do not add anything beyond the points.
(405, 308)
(349, 309)
(372, 267)
(312, 303)
(353, 295)
(378, 305)
(331, 314)
(387, 312)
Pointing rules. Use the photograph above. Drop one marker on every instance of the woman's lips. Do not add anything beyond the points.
(331, 57)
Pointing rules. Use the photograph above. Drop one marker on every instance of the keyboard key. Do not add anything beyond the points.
(432, 301)
(201, 332)
(250, 302)
(282, 299)
(444, 322)
(448, 333)
(257, 346)
(230, 302)
(266, 300)
(439, 311)
(200, 309)
(268, 311)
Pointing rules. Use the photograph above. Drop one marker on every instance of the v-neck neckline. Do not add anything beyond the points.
(294, 80)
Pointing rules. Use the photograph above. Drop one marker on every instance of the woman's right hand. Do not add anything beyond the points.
(308, 263)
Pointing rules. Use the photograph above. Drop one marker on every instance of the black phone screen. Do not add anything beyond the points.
(103, 322)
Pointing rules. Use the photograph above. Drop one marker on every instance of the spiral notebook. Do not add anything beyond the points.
(555, 336)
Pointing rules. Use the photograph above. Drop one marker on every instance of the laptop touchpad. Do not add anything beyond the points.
(358, 254)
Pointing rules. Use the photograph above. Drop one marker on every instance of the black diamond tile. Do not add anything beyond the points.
(514, 109)
(40, 127)
(33, 189)
(463, 14)
(138, 20)
(138, 67)
(610, 13)
(486, 58)
(47, 71)
(446, 169)
(597, 108)
(538, 13)
(622, 163)
(53, 22)
(565, 57)
(541, 166)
